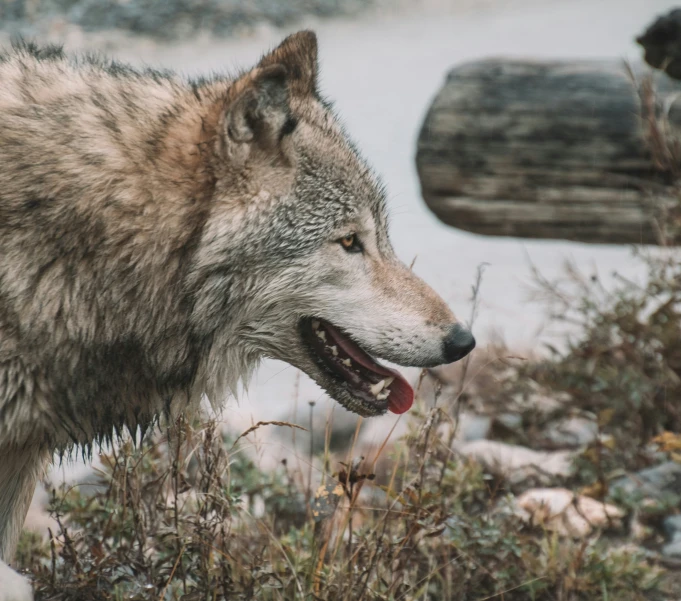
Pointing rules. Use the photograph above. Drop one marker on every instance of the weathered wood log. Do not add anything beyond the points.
(546, 150)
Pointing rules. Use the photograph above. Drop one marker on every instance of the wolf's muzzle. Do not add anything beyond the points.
(458, 343)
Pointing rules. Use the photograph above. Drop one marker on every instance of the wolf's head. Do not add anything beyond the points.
(295, 253)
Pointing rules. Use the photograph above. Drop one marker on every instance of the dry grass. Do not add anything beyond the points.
(194, 519)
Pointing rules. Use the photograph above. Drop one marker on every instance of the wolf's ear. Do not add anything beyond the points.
(257, 108)
(298, 53)
(258, 115)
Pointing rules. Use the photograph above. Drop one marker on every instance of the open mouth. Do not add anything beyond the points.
(373, 388)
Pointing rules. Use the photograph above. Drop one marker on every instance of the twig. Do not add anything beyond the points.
(308, 494)
(172, 573)
(260, 424)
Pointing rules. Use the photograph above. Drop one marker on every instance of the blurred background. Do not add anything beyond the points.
(382, 63)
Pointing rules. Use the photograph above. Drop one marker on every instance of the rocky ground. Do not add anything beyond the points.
(169, 19)
(568, 468)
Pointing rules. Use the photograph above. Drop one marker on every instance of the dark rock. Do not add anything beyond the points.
(673, 549)
(660, 482)
(672, 526)
(662, 43)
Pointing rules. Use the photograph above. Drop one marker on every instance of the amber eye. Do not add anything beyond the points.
(350, 243)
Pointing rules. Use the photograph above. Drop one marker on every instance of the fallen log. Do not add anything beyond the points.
(552, 150)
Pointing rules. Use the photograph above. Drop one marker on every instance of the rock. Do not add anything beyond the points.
(562, 511)
(469, 427)
(518, 463)
(657, 482)
(661, 42)
(572, 432)
(510, 421)
(539, 402)
(673, 549)
(473, 426)
(672, 530)
(672, 526)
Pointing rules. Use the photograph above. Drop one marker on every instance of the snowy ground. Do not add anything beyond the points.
(382, 72)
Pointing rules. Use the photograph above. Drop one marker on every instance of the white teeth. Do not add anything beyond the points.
(376, 388)
(315, 324)
(383, 395)
(321, 334)
(334, 350)
(347, 362)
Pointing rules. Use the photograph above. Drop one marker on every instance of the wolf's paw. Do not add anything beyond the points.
(14, 587)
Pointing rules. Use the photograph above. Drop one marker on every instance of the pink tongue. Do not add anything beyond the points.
(401, 393)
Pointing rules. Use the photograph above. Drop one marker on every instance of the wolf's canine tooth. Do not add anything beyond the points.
(376, 388)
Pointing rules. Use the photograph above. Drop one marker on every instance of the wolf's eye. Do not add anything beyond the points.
(351, 243)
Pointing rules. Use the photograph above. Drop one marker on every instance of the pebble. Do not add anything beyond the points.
(572, 432)
(569, 514)
(518, 463)
(658, 482)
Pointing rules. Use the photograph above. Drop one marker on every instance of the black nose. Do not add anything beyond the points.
(458, 344)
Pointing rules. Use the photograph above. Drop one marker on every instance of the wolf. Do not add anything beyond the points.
(159, 236)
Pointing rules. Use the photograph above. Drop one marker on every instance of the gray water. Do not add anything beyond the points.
(382, 72)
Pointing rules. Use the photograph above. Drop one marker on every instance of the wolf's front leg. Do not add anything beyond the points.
(20, 468)
(14, 587)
